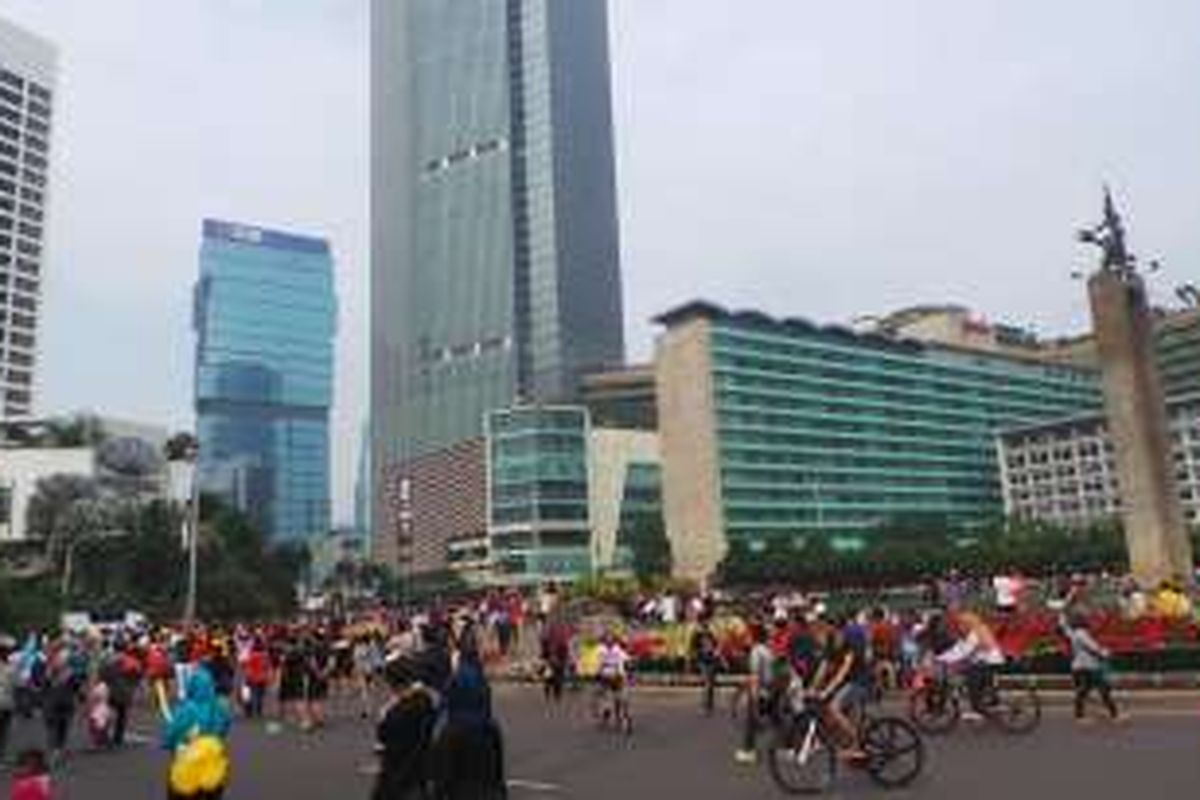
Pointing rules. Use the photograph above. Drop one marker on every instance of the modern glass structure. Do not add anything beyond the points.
(1177, 347)
(538, 518)
(782, 428)
(28, 69)
(265, 316)
(641, 504)
(494, 263)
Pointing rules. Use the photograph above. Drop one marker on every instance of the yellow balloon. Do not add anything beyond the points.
(199, 766)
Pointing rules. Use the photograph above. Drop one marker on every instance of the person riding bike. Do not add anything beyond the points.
(612, 676)
(842, 681)
(979, 652)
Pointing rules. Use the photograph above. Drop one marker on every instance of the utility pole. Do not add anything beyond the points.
(193, 527)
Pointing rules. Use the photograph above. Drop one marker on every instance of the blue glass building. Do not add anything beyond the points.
(265, 316)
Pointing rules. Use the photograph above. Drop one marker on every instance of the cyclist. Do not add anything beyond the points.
(759, 685)
(842, 681)
(979, 650)
(611, 679)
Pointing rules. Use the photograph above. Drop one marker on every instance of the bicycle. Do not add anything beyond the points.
(610, 704)
(935, 705)
(803, 757)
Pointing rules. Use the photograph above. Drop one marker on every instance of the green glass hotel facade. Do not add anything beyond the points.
(564, 496)
(782, 428)
(538, 501)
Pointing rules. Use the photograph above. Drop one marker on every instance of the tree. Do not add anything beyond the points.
(651, 549)
(181, 447)
(49, 514)
(80, 430)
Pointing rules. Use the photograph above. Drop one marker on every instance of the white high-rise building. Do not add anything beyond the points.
(27, 82)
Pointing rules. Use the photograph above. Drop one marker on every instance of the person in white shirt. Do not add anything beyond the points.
(978, 651)
(1008, 590)
(611, 679)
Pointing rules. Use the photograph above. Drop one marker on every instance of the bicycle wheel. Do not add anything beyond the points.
(802, 760)
(622, 716)
(895, 752)
(1018, 710)
(934, 709)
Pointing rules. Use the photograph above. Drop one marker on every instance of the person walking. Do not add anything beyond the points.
(706, 657)
(59, 701)
(556, 656)
(121, 672)
(468, 756)
(195, 732)
(292, 688)
(8, 695)
(759, 684)
(404, 735)
(256, 673)
(1089, 667)
(31, 780)
(318, 671)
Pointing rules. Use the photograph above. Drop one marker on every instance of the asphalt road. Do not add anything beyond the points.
(675, 753)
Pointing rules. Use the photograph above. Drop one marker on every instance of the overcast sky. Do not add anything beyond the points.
(815, 159)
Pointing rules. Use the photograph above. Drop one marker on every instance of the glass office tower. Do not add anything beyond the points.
(265, 321)
(494, 264)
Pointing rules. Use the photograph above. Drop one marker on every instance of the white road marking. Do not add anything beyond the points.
(533, 786)
(513, 783)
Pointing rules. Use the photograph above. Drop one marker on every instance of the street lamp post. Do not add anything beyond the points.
(193, 527)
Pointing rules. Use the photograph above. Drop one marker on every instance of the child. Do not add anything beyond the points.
(100, 715)
(1089, 666)
(31, 781)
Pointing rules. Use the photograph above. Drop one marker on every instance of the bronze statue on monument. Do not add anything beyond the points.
(1155, 534)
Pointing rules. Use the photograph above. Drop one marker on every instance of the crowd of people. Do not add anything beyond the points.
(422, 677)
(436, 729)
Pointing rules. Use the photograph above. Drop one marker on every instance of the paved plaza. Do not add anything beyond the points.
(677, 754)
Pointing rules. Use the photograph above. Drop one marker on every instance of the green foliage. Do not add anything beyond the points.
(647, 540)
(909, 550)
(361, 580)
(180, 447)
(428, 585)
(241, 576)
(145, 569)
(28, 604)
(614, 591)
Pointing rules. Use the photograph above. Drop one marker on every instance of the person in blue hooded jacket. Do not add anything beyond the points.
(468, 757)
(202, 713)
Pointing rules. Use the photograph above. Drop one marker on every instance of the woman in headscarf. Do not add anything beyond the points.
(403, 735)
(469, 753)
(195, 732)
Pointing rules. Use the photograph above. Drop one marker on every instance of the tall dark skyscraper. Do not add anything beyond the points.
(495, 270)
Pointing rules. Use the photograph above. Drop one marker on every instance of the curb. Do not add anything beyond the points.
(1137, 682)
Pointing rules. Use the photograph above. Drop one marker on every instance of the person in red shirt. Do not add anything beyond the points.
(257, 675)
(31, 780)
